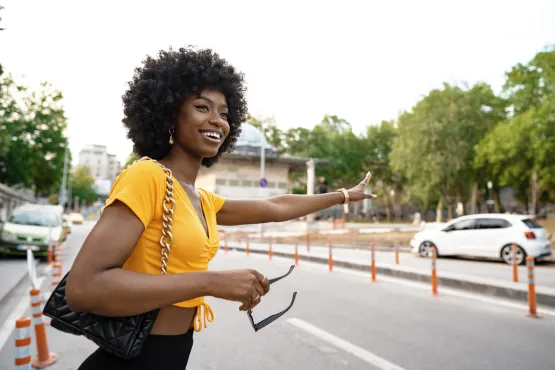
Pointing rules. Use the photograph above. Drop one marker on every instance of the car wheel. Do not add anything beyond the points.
(507, 256)
(425, 249)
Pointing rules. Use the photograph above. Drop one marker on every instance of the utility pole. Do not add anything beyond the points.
(262, 168)
(62, 196)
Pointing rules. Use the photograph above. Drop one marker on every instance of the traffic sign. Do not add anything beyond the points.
(263, 182)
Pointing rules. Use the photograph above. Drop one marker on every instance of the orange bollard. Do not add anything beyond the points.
(434, 272)
(531, 289)
(373, 261)
(330, 258)
(23, 343)
(296, 254)
(307, 242)
(270, 250)
(56, 274)
(247, 249)
(396, 254)
(515, 267)
(45, 357)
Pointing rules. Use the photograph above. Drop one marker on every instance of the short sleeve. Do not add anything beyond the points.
(140, 187)
(218, 202)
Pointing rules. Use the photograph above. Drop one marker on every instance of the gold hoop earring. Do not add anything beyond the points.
(171, 138)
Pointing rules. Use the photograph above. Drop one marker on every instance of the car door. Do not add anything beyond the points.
(456, 238)
(489, 236)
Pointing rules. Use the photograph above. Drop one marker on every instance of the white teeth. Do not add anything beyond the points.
(211, 134)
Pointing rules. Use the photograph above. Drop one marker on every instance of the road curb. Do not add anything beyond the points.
(469, 284)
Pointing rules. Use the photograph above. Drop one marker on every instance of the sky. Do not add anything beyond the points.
(364, 61)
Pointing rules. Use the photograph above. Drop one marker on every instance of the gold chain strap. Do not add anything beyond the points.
(168, 204)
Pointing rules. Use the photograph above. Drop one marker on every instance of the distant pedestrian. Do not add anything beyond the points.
(183, 110)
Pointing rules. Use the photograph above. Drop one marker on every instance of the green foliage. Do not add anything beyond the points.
(82, 185)
(32, 137)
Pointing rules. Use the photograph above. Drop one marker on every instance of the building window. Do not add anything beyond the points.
(246, 183)
(282, 185)
(221, 181)
(233, 182)
(271, 184)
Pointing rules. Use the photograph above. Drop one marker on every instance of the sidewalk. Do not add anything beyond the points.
(485, 277)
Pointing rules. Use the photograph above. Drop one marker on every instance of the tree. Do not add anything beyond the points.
(274, 135)
(520, 151)
(82, 185)
(33, 141)
(436, 142)
(130, 159)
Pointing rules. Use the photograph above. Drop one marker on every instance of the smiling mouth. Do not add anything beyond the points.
(212, 136)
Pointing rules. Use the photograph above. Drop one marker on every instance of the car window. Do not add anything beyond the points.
(35, 218)
(463, 225)
(532, 224)
(492, 223)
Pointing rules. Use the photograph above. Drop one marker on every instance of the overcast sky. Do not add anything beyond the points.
(362, 60)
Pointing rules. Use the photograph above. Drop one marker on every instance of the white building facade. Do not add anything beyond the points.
(104, 166)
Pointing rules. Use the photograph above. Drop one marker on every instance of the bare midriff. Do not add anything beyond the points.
(173, 320)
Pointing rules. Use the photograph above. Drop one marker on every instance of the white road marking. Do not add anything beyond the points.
(349, 347)
(422, 286)
(9, 325)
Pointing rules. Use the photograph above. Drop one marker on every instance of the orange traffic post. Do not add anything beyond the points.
(56, 275)
(23, 343)
(396, 253)
(270, 250)
(296, 254)
(531, 289)
(330, 258)
(515, 266)
(373, 261)
(434, 271)
(308, 242)
(247, 249)
(45, 357)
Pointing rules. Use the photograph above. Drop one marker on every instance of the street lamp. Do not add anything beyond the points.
(490, 202)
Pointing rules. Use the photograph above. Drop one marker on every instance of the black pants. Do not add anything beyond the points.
(167, 352)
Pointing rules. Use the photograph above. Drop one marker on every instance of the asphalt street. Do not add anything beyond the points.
(343, 321)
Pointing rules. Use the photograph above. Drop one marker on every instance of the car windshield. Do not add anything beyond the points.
(34, 218)
(531, 223)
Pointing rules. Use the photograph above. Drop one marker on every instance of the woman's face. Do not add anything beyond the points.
(202, 123)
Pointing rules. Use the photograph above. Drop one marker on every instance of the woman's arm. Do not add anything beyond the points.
(99, 285)
(286, 207)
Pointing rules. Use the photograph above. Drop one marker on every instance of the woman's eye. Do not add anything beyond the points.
(224, 115)
(201, 107)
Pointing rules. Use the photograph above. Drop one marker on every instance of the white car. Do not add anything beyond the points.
(485, 235)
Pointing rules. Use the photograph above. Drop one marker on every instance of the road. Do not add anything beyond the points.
(341, 320)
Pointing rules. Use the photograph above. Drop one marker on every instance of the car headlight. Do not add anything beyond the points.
(7, 236)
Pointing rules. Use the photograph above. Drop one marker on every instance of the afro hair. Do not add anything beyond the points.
(159, 88)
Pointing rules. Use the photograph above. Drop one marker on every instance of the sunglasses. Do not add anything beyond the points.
(272, 318)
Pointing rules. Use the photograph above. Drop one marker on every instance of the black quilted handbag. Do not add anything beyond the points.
(122, 336)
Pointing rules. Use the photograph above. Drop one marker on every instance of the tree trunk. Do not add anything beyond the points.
(534, 193)
(438, 209)
(450, 211)
(497, 198)
(387, 209)
(474, 198)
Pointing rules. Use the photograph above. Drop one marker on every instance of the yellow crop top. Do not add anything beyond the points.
(142, 187)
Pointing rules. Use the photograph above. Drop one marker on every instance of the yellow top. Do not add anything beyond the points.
(142, 187)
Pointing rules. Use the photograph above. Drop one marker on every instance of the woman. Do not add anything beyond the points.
(183, 109)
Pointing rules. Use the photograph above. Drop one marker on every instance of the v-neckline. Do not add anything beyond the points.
(206, 232)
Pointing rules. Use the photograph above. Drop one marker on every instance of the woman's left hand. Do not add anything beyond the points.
(358, 192)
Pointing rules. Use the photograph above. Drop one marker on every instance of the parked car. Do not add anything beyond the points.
(485, 235)
(30, 227)
(76, 218)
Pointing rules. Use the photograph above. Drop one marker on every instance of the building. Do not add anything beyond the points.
(103, 165)
(238, 174)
